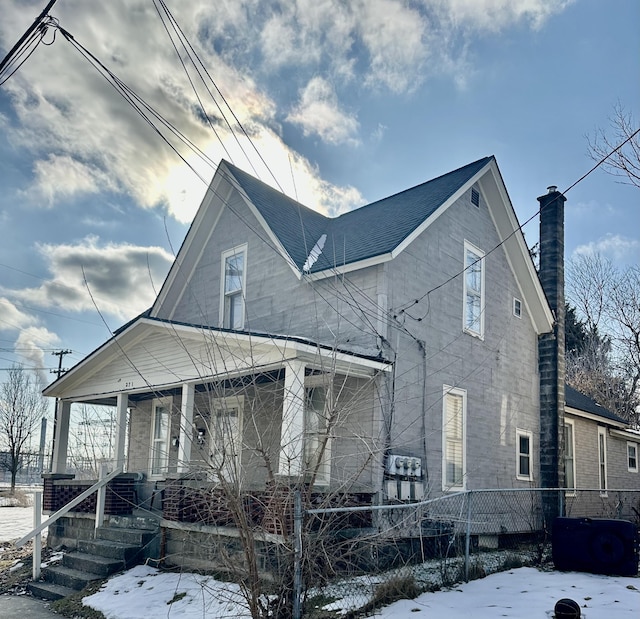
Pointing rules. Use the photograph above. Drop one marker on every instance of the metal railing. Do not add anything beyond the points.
(35, 534)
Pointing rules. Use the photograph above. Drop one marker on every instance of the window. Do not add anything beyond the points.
(233, 287)
(602, 460)
(317, 409)
(524, 470)
(454, 413)
(473, 290)
(225, 427)
(517, 308)
(475, 197)
(632, 457)
(569, 457)
(161, 418)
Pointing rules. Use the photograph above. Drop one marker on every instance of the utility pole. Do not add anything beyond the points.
(59, 372)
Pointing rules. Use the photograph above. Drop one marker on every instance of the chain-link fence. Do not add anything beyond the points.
(354, 560)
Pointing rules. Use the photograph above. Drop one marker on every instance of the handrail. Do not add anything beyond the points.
(68, 507)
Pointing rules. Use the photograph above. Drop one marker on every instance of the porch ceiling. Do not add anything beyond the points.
(153, 355)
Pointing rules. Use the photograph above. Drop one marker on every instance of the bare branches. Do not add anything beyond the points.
(625, 161)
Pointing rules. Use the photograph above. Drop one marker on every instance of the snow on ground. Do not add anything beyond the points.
(524, 593)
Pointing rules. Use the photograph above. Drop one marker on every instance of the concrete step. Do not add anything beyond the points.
(93, 564)
(49, 590)
(110, 549)
(68, 577)
(135, 537)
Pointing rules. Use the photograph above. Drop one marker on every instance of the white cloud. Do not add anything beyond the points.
(615, 246)
(30, 344)
(119, 280)
(318, 113)
(12, 317)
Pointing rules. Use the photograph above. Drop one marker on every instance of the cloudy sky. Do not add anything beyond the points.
(340, 103)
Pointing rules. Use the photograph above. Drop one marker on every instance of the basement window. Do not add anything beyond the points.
(475, 197)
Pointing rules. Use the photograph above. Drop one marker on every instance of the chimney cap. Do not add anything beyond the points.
(552, 188)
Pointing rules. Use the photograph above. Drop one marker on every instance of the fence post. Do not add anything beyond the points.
(297, 555)
(100, 497)
(467, 541)
(37, 540)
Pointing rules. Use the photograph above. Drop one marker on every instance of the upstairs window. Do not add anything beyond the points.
(232, 304)
(454, 420)
(473, 320)
(517, 308)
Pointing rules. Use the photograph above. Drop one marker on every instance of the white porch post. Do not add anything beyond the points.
(186, 428)
(292, 433)
(61, 441)
(122, 403)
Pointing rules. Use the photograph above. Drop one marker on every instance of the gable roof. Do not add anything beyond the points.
(372, 230)
(579, 401)
(369, 235)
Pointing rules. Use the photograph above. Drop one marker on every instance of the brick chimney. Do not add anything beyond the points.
(551, 358)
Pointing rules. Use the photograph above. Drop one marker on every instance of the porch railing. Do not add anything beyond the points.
(98, 487)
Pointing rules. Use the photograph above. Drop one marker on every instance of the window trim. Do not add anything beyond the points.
(323, 477)
(166, 402)
(224, 256)
(448, 390)
(519, 475)
(634, 445)
(571, 490)
(517, 302)
(479, 256)
(602, 461)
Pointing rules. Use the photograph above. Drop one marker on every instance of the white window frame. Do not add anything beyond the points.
(218, 408)
(225, 296)
(447, 484)
(159, 445)
(602, 461)
(475, 256)
(324, 470)
(517, 307)
(632, 446)
(571, 490)
(519, 474)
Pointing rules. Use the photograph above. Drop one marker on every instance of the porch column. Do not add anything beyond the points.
(122, 403)
(292, 433)
(61, 439)
(186, 428)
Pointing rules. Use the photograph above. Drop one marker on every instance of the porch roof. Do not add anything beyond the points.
(149, 354)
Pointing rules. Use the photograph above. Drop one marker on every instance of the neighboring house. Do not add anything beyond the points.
(387, 354)
(600, 450)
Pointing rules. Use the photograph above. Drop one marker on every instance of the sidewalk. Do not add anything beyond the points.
(24, 606)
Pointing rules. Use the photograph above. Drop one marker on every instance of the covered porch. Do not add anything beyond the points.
(206, 418)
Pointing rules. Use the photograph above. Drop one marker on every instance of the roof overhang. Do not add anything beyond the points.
(593, 417)
(154, 355)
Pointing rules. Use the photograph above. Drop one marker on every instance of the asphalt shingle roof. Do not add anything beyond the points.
(369, 231)
(575, 399)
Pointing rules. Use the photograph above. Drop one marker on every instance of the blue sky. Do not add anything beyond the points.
(354, 100)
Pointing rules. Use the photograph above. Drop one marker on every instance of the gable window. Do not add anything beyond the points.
(475, 197)
(632, 457)
(473, 320)
(161, 418)
(233, 287)
(454, 413)
(225, 427)
(569, 457)
(517, 308)
(317, 442)
(523, 455)
(602, 460)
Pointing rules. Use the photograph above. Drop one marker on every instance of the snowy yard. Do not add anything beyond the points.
(524, 593)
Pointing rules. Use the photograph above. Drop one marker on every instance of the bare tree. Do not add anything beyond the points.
(21, 409)
(607, 300)
(625, 161)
